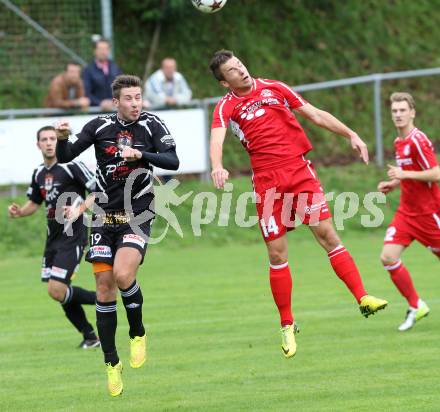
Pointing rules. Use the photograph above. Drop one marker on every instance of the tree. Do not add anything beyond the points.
(156, 12)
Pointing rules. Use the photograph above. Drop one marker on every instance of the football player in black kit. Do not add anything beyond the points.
(127, 145)
(64, 250)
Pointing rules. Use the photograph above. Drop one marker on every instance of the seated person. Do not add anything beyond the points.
(66, 90)
(167, 87)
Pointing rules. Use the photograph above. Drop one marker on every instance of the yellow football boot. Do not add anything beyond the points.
(370, 305)
(288, 343)
(114, 379)
(138, 351)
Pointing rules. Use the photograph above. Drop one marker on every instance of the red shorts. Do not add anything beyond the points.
(404, 229)
(287, 193)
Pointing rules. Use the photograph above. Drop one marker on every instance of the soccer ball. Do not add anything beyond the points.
(208, 6)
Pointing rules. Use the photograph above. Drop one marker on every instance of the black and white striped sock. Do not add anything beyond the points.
(132, 299)
(79, 295)
(106, 322)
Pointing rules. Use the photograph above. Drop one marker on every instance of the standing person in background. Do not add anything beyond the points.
(62, 253)
(166, 87)
(66, 91)
(99, 75)
(418, 215)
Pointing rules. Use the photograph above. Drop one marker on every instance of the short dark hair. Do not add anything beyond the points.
(71, 63)
(122, 81)
(43, 129)
(220, 57)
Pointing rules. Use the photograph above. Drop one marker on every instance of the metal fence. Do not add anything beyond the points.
(37, 42)
(375, 80)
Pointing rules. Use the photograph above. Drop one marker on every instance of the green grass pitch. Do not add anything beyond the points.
(214, 343)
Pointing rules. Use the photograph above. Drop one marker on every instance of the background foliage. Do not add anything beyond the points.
(296, 41)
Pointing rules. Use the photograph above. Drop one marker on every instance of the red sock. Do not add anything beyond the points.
(281, 285)
(344, 266)
(402, 279)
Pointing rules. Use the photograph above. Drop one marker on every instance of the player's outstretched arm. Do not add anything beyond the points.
(67, 151)
(29, 208)
(327, 121)
(428, 175)
(219, 174)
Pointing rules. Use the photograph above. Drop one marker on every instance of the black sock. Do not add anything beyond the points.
(132, 299)
(75, 313)
(106, 322)
(80, 295)
(89, 333)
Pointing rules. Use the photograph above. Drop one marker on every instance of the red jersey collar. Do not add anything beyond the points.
(413, 130)
(254, 86)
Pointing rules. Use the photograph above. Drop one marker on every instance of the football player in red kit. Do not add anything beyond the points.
(285, 182)
(418, 215)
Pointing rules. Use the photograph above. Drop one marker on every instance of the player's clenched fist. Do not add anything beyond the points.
(395, 172)
(385, 187)
(14, 210)
(62, 129)
(219, 177)
(130, 155)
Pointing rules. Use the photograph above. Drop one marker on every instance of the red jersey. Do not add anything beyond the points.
(416, 152)
(263, 122)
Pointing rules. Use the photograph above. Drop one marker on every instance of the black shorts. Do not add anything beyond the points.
(108, 238)
(61, 260)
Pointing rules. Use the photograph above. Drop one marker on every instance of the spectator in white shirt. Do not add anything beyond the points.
(166, 87)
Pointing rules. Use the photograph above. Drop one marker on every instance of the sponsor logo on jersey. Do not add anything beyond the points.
(404, 162)
(48, 182)
(100, 251)
(266, 93)
(124, 139)
(167, 140)
(407, 150)
(111, 150)
(119, 171)
(131, 238)
(52, 194)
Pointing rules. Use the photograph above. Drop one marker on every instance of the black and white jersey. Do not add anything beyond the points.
(49, 183)
(110, 135)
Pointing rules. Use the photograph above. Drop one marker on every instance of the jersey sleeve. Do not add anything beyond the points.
(83, 175)
(162, 139)
(165, 146)
(33, 192)
(222, 114)
(67, 150)
(424, 151)
(293, 99)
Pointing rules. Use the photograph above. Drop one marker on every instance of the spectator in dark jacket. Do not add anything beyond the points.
(99, 75)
